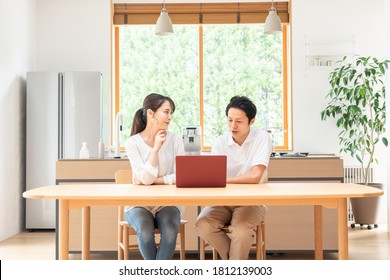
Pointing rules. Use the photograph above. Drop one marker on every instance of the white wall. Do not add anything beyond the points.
(327, 21)
(332, 21)
(40, 35)
(73, 35)
(17, 36)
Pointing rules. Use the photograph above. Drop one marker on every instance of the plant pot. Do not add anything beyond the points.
(365, 209)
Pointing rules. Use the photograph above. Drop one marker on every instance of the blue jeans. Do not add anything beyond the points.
(144, 223)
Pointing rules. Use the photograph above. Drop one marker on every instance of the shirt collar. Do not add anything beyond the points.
(248, 139)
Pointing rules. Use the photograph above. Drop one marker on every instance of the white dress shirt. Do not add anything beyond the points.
(255, 150)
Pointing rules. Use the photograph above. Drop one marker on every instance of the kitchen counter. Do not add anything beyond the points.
(314, 166)
(310, 156)
(319, 167)
(89, 170)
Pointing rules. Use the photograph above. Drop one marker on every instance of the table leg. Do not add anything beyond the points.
(63, 231)
(318, 253)
(86, 230)
(342, 229)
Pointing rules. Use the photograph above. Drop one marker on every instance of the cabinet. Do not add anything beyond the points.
(326, 55)
(288, 228)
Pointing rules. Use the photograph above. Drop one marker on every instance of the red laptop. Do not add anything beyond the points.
(200, 171)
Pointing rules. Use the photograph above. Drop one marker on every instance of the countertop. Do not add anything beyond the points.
(277, 157)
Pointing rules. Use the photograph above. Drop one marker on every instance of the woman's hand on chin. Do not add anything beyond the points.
(159, 139)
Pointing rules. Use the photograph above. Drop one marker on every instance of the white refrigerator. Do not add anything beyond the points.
(63, 111)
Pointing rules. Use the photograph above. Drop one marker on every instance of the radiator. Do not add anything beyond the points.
(354, 174)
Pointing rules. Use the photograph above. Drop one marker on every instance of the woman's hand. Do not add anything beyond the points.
(159, 140)
(137, 181)
(158, 181)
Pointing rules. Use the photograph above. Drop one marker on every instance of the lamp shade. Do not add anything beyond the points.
(273, 24)
(164, 24)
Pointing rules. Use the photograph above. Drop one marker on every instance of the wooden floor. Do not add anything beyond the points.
(363, 245)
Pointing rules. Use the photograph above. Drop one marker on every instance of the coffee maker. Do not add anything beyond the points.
(191, 139)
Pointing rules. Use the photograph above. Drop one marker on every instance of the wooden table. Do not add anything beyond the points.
(329, 195)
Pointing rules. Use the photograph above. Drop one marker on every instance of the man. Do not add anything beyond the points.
(248, 151)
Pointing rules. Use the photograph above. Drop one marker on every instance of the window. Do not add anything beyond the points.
(242, 60)
(164, 65)
(201, 67)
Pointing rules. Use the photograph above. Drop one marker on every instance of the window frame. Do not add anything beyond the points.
(287, 132)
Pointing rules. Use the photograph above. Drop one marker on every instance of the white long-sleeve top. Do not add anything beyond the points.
(138, 153)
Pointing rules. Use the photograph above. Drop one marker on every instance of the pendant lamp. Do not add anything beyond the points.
(273, 24)
(164, 24)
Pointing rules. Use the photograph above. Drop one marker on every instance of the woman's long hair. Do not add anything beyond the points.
(153, 101)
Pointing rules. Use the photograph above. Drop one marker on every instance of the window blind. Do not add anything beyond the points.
(195, 13)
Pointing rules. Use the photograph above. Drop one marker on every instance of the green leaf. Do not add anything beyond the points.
(358, 100)
(385, 142)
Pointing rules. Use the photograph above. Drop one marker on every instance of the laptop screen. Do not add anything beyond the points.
(201, 171)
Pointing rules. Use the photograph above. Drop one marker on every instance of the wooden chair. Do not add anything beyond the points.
(125, 230)
(259, 244)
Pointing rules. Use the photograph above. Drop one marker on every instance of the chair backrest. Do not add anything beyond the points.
(123, 177)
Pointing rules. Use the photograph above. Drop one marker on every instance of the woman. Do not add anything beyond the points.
(151, 150)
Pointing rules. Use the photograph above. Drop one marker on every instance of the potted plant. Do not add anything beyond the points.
(357, 102)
